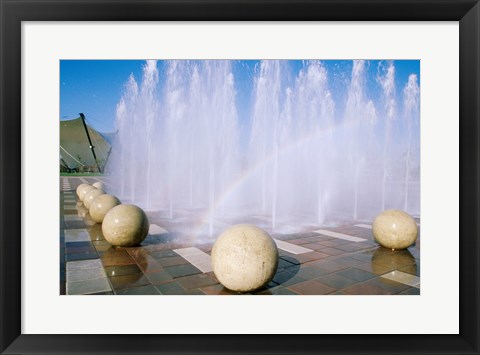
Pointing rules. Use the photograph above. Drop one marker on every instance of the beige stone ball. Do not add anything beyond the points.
(80, 188)
(90, 196)
(84, 191)
(125, 226)
(395, 229)
(101, 205)
(99, 185)
(244, 258)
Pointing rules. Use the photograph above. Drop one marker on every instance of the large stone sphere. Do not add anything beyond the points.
(84, 191)
(80, 188)
(99, 185)
(101, 205)
(395, 229)
(90, 196)
(244, 258)
(125, 226)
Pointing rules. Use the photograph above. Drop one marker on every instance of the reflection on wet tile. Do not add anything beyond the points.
(121, 270)
(392, 287)
(149, 264)
(159, 277)
(128, 281)
(402, 277)
(121, 260)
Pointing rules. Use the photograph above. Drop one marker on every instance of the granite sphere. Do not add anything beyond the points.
(90, 196)
(125, 226)
(80, 188)
(99, 185)
(395, 229)
(244, 258)
(84, 191)
(101, 205)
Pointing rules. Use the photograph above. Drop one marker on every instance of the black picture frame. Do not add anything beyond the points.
(13, 12)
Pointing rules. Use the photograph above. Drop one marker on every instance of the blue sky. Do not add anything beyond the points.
(94, 87)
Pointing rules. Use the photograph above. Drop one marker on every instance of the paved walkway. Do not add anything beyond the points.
(343, 260)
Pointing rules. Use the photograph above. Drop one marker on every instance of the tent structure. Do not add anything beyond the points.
(82, 148)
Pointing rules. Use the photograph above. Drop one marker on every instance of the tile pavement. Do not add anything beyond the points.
(343, 260)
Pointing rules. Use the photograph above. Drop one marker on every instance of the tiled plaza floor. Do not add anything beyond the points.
(343, 260)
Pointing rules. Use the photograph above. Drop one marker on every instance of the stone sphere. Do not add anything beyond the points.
(84, 191)
(244, 258)
(90, 196)
(80, 188)
(125, 226)
(99, 185)
(101, 205)
(395, 229)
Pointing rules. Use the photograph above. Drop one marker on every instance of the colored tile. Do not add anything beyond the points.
(159, 277)
(76, 235)
(121, 260)
(197, 258)
(182, 270)
(142, 290)
(84, 264)
(339, 235)
(311, 287)
(410, 291)
(196, 281)
(291, 248)
(171, 288)
(356, 274)
(365, 289)
(121, 270)
(392, 287)
(218, 290)
(88, 287)
(402, 277)
(81, 256)
(172, 261)
(85, 274)
(337, 281)
(129, 281)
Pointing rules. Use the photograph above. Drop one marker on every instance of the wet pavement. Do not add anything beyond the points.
(339, 260)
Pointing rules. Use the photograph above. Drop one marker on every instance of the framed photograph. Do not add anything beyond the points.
(317, 128)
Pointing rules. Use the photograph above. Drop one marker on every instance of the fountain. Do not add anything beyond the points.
(310, 144)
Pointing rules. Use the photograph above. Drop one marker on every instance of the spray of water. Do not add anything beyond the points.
(298, 156)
